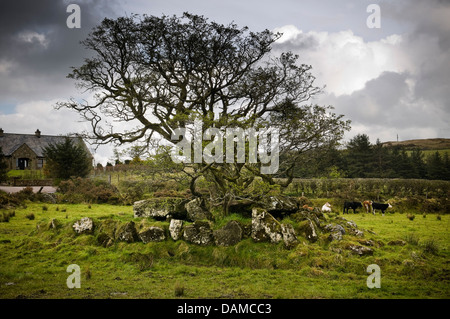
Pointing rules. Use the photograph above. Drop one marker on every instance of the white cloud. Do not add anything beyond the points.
(343, 61)
(34, 37)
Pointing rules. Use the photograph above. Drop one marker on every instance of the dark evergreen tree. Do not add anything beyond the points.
(381, 164)
(359, 156)
(419, 169)
(446, 170)
(435, 166)
(66, 159)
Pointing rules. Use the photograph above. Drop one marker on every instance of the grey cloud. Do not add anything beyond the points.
(429, 18)
(38, 67)
(389, 103)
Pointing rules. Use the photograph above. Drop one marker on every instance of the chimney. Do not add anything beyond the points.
(37, 133)
(1, 132)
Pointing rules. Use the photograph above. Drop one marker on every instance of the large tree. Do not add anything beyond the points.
(160, 73)
(359, 156)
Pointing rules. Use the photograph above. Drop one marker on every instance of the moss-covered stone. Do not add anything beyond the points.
(199, 233)
(161, 208)
(127, 232)
(228, 235)
(265, 227)
(152, 234)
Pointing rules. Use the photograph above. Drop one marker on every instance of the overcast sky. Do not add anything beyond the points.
(389, 81)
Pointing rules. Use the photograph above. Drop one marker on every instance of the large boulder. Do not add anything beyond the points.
(152, 233)
(196, 210)
(127, 232)
(176, 228)
(265, 227)
(84, 226)
(228, 235)
(161, 208)
(279, 205)
(199, 233)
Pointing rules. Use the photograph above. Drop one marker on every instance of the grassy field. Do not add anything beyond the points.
(33, 261)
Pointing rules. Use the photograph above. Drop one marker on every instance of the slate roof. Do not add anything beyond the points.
(10, 142)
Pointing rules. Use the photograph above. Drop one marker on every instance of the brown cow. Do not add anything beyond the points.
(367, 204)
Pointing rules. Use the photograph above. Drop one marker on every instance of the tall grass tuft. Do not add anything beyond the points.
(179, 290)
(430, 246)
(412, 239)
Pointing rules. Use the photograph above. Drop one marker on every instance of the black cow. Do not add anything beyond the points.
(381, 207)
(352, 205)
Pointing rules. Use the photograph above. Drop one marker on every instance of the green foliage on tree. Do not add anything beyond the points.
(66, 159)
(361, 159)
(359, 156)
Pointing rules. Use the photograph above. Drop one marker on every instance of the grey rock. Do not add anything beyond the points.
(265, 227)
(335, 236)
(288, 233)
(152, 234)
(360, 250)
(175, 228)
(335, 229)
(199, 233)
(127, 232)
(196, 210)
(84, 225)
(160, 208)
(228, 235)
(279, 205)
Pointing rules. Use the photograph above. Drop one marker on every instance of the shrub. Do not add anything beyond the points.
(80, 190)
(431, 206)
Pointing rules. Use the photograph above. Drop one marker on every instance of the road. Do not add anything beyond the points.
(15, 189)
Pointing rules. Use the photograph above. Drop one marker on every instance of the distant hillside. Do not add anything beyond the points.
(423, 144)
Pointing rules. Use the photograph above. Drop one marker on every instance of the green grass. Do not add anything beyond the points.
(26, 174)
(33, 261)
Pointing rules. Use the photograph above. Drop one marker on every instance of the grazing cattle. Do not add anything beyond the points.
(381, 207)
(307, 207)
(326, 207)
(367, 204)
(352, 205)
